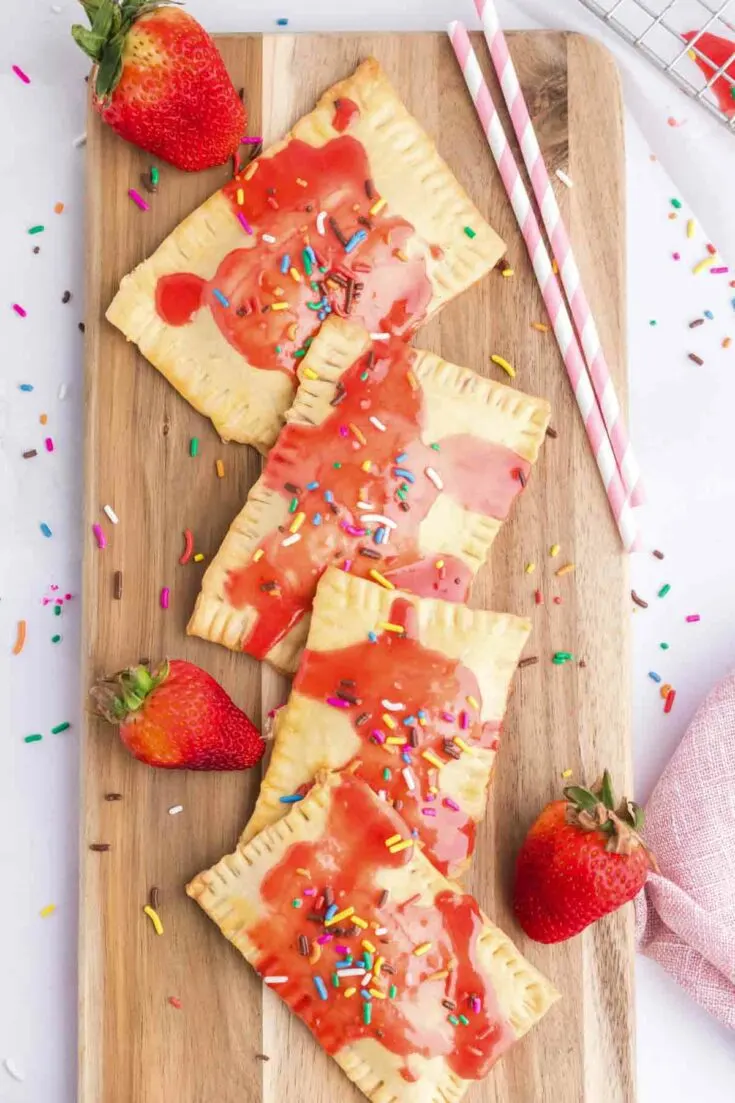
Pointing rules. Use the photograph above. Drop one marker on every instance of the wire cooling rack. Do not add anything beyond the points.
(656, 28)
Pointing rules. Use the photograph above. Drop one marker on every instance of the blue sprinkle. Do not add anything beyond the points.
(220, 297)
(414, 833)
(282, 22)
(316, 519)
(410, 721)
(331, 910)
(654, 676)
(322, 315)
(321, 988)
(294, 798)
(310, 253)
(373, 637)
(328, 496)
(345, 963)
(403, 456)
(406, 756)
(709, 314)
(355, 240)
(285, 263)
(404, 473)
(25, 387)
(365, 994)
(422, 714)
(312, 486)
(45, 529)
(379, 534)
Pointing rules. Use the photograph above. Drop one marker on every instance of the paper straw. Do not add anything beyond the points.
(549, 286)
(589, 337)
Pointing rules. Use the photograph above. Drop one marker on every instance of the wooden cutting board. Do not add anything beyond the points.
(135, 1046)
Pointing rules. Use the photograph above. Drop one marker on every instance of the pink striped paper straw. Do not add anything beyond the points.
(550, 290)
(562, 249)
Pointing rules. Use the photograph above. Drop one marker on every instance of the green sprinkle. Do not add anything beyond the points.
(61, 728)
(367, 1013)
(36, 229)
(337, 465)
(293, 505)
(32, 738)
(194, 446)
(392, 991)
(314, 285)
(664, 646)
(363, 376)
(653, 322)
(57, 639)
(561, 657)
(368, 961)
(307, 342)
(154, 175)
(386, 774)
(299, 353)
(335, 980)
(436, 447)
(464, 1020)
(308, 266)
(676, 203)
(323, 268)
(57, 610)
(664, 590)
(278, 348)
(296, 903)
(314, 306)
(453, 1020)
(469, 231)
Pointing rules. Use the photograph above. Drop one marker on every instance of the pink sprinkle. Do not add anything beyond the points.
(347, 564)
(693, 618)
(718, 271)
(341, 950)
(244, 223)
(67, 597)
(309, 892)
(20, 310)
(377, 735)
(19, 73)
(429, 811)
(352, 530)
(59, 601)
(476, 1005)
(99, 536)
(464, 720)
(430, 797)
(49, 444)
(344, 431)
(676, 256)
(449, 803)
(138, 199)
(165, 594)
(338, 703)
(324, 938)
(448, 717)
(250, 141)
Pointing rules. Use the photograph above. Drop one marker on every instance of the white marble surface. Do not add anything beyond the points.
(677, 421)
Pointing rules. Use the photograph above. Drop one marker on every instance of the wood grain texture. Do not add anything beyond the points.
(134, 1046)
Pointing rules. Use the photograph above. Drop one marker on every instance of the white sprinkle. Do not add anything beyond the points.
(56, 9)
(12, 1069)
(381, 930)
(364, 505)
(291, 540)
(275, 980)
(408, 778)
(351, 972)
(379, 519)
(367, 981)
(392, 706)
(380, 336)
(320, 220)
(111, 514)
(377, 423)
(269, 238)
(383, 794)
(431, 474)
(82, 139)
(175, 809)
(564, 178)
(63, 391)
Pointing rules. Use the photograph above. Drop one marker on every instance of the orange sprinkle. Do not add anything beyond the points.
(566, 569)
(540, 326)
(58, 208)
(727, 342)
(357, 433)
(20, 638)
(555, 267)
(665, 690)
(412, 380)
(251, 170)
(43, 418)
(220, 468)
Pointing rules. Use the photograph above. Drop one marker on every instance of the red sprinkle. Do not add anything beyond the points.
(175, 1002)
(539, 597)
(557, 601)
(669, 703)
(711, 249)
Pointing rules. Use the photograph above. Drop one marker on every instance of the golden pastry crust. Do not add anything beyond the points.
(230, 894)
(247, 403)
(455, 401)
(311, 735)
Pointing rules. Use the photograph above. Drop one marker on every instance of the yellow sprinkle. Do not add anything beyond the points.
(503, 363)
(459, 742)
(379, 962)
(691, 55)
(530, 568)
(433, 759)
(297, 522)
(439, 975)
(400, 255)
(301, 183)
(339, 916)
(310, 373)
(378, 577)
(401, 846)
(292, 331)
(349, 993)
(357, 433)
(198, 557)
(303, 872)
(366, 465)
(389, 721)
(567, 773)
(295, 274)
(154, 918)
(47, 911)
(473, 702)
(258, 555)
(240, 196)
(507, 273)
(439, 564)
(279, 306)
(279, 291)
(691, 224)
(393, 840)
(360, 922)
(251, 170)
(220, 468)
(555, 266)
(703, 265)
(566, 569)
(540, 326)
(376, 993)
(433, 789)
(367, 945)
(378, 206)
(422, 949)
(554, 550)
(412, 380)
(388, 626)
(397, 740)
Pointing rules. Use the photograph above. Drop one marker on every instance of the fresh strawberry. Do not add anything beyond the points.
(179, 718)
(160, 82)
(582, 859)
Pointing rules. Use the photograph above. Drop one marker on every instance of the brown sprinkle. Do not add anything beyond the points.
(638, 600)
(449, 1004)
(530, 661)
(118, 585)
(696, 359)
(30, 454)
(262, 1057)
(551, 432)
(154, 897)
(303, 945)
(66, 297)
(100, 847)
(658, 554)
(383, 898)
(696, 322)
(113, 796)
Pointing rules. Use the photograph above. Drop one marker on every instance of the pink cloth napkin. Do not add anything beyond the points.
(685, 917)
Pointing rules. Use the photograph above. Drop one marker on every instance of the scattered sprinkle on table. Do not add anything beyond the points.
(220, 469)
(282, 21)
(638, 600)
(702, 265)
(566, 181)
(138, 199)
(540, 326)
(697, 322)
(47, 911)
(188, 547)
(30, 454)
(164, 598)
(503, 363)
(20, 311)
(664, 590)
(566, 569)
(100, 848)
(676, 203)
(530, 568)
(20, 637)
(194, 446)
(117, 585)
(45, 530)
(664, 646)
(198, 557)
(154, 918)
(111, 514)
(61, 728)
(25, 387)
(693, 618)
(696, 359)
(58, 208)
(35, 738)
(559, 658)
(658, 554)
(36, 229)
(175, 809)
(567, 773)
(554, 550)
(56, 639)
(19, 73)
(654, 676)
(530, 661)
(175, 1002)
(99, 536)
(669, 702)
